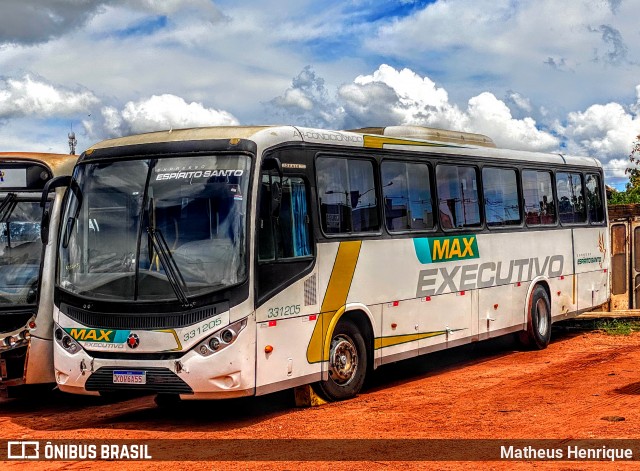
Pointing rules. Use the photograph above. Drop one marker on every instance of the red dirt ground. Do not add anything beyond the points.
(491, 390)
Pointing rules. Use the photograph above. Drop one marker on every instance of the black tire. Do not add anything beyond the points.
(347, 363)
(538, 333)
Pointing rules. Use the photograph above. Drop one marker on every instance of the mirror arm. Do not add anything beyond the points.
(50, 186)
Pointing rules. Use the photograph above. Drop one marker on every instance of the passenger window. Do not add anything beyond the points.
(407, 196)
(571, 204)
(594, 199)
(285, 234)
(347, 195)
(539, 205)
(458, 205)
(501, 202)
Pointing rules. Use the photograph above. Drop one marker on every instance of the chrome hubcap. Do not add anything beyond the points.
(343, 361)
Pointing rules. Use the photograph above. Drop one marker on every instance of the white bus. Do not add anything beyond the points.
(233, 261)
(27, 269)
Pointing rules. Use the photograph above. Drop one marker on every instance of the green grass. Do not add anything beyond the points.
(618, 326)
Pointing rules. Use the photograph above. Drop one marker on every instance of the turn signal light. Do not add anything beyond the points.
(268, 349)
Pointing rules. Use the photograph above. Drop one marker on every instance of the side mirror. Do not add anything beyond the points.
(50, 186)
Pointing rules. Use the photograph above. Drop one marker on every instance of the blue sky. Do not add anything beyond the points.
(535, 75)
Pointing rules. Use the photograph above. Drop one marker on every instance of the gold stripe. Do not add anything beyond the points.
(175, 336)
(334, 301)
(378, 142)
(382, 342)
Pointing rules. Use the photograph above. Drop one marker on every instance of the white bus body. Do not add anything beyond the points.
(26, 269)
(348, 250)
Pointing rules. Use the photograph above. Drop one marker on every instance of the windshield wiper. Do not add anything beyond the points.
(7, 206)
(160, 246)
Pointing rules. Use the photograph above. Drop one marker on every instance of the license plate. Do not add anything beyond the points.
(129, 377)
(3, 369)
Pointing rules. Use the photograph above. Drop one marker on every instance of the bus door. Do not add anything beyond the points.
(625, 264)
(621, 294)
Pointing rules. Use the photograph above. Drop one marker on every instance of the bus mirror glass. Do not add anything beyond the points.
(44, 227)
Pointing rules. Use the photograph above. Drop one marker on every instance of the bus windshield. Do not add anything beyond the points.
(20, 252)
(155, 229)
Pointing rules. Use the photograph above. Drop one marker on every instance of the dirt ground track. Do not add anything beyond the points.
(571, 390)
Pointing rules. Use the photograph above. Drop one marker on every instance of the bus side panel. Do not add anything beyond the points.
(285, 324)
(401, 329)
(285, 363)
(448, 319)
(387, 271)
(39, 362)
(496, 310)
(591, 262)
(39, 366)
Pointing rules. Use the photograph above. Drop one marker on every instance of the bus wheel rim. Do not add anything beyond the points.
(343, 361)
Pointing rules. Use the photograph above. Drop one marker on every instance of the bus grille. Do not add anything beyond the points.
(10, 321)
(129, 321)
(159, 380)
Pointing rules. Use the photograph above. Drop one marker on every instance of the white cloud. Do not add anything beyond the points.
(606, 131)
(490, 116)
(390, 97)
(156, 113)
(306, 103)
(559, 55)
(37, 98)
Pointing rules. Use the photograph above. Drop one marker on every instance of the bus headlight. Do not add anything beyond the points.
(221, 338)
(65, 341)
(24, 335)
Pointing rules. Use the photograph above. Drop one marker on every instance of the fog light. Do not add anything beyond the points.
(214, 344)
(227, 336)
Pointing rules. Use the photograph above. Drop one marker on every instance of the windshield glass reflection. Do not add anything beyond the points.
(155, 229)
(20, 254)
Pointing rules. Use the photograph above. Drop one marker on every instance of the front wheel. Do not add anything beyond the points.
(538, 333)
(347, 363)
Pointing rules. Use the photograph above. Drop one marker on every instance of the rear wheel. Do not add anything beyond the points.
(347, 363)
(538, 333)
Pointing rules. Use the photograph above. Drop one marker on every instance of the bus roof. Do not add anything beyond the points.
(408, 138)
(426, 133)
(59, 164)
(175, 135)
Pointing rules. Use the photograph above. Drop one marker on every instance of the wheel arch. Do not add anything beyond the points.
(544, 282)
(360, 315)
